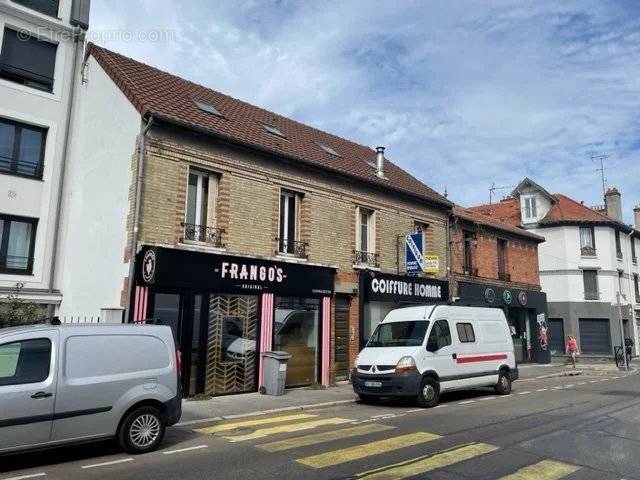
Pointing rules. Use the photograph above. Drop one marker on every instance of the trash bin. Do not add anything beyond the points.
(275, 372)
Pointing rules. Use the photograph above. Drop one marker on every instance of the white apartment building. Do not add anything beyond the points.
(589, 256)
(41, 48)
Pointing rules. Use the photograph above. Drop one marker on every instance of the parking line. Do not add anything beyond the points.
(541, 390)
(23, 477)
(485, 398)
(466, 402)
(106, 464)
(523, 393)
(581, 383)
(187, 449)
(441, 406)
(413, 410)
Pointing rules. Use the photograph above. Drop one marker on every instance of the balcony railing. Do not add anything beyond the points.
(23, 168)
(292, 247)
(504, 276)
(634, 259)
(591, 295)
(587, 251)
(204, 234)
(366, 259)
(16, 264)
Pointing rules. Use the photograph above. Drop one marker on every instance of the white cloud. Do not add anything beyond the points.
(462, 95)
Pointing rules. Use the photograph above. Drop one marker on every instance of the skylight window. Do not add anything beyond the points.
(273, 130)
(207, 107)
(328, 149)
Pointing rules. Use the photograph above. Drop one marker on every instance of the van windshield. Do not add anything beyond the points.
(399, 334)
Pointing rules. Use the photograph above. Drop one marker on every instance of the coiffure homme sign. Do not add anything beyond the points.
(175, 268)
(397, 288)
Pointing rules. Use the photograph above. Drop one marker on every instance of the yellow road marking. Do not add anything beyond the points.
(252, 423)
(367, 449)
(316, 438)
(289, 427)
(544, 470)
(425, 464)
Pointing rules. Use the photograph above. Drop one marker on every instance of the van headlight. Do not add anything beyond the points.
(406, 365)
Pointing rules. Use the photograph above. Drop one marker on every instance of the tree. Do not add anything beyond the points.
(15, 310)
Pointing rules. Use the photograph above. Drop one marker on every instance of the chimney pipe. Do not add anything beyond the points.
(636, 217)
(613, 204)
(380, 162)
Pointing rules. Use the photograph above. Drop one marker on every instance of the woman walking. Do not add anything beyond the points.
(572, 349)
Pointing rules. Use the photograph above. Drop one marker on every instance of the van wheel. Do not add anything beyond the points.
(369, 399)
(141, 430)
(503, 387)
(429, 394)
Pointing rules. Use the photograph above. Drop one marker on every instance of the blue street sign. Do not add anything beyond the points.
(414, 253)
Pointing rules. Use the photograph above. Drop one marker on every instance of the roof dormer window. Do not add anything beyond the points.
(273, 130)
(530, 209)
(328, 149)
(207, 107)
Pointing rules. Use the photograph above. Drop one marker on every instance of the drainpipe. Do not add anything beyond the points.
(450, 260)
(63, 163)
(136, 215)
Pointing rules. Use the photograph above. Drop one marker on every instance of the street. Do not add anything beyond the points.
(585, 427)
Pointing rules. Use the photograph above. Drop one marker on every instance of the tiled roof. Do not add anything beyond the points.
(564, 210)
(171, 98)
(476, 217)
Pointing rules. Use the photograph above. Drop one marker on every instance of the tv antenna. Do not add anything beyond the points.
(493, 189)
(601, 159)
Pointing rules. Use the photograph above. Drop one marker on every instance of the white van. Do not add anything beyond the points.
(63, 384)
(423, 351)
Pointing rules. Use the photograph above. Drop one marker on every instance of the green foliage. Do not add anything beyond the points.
(15, 310)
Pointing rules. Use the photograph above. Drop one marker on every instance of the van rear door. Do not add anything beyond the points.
(28, 378)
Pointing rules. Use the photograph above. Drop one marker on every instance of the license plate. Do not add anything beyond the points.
(373, 384)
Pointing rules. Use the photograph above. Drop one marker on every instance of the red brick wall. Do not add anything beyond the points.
(521, 256)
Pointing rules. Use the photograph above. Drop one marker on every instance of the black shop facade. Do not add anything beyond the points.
(225, 310)
(526, 312)
(380, 293)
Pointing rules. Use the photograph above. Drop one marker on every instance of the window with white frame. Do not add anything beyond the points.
(587, 241)
(17, 240)
(200, 219)
(27, 60)
(365, 253)
(288, 224)
(530, 208)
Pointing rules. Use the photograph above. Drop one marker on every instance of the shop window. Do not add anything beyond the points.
(590, 279)
(200, 218)
(28, 61)
(17, 239)
(587, 241)
(465, 332)
(289, 221)
(296, 330)
(21, 148)
(440, 336)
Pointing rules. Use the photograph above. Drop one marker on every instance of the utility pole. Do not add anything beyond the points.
(624, 353)
(601, 159)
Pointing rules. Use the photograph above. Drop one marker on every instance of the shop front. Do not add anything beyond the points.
(226, 310)
(381, 293)
(526, 312)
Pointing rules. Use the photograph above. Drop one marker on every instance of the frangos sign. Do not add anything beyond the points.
(397, 288)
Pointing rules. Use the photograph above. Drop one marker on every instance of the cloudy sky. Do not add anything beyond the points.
(462, 94)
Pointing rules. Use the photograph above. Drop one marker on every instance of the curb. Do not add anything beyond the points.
(266, 412)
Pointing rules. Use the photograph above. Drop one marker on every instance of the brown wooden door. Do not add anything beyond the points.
(342, 336)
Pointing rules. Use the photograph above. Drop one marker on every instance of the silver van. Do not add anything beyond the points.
(64, 384)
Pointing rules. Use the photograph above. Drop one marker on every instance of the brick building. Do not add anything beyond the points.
(244, 230)
(495, 264)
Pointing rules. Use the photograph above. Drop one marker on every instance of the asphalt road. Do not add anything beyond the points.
(570, 427)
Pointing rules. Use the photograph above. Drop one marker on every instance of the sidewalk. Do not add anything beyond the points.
(250, 404)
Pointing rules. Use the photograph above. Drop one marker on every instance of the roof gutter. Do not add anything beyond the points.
(444, 203)
(136, 214)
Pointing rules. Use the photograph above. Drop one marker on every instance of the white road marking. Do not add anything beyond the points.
(523, 393)
(594, 381)
(106, 464)
(23, 477)
(571, 385)
(614, 378)
(466, 402)
(415, 410)
(557, 388)
(441, 406)
(581, 383)
(187, 449)
(541, 390)
(485, 398)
